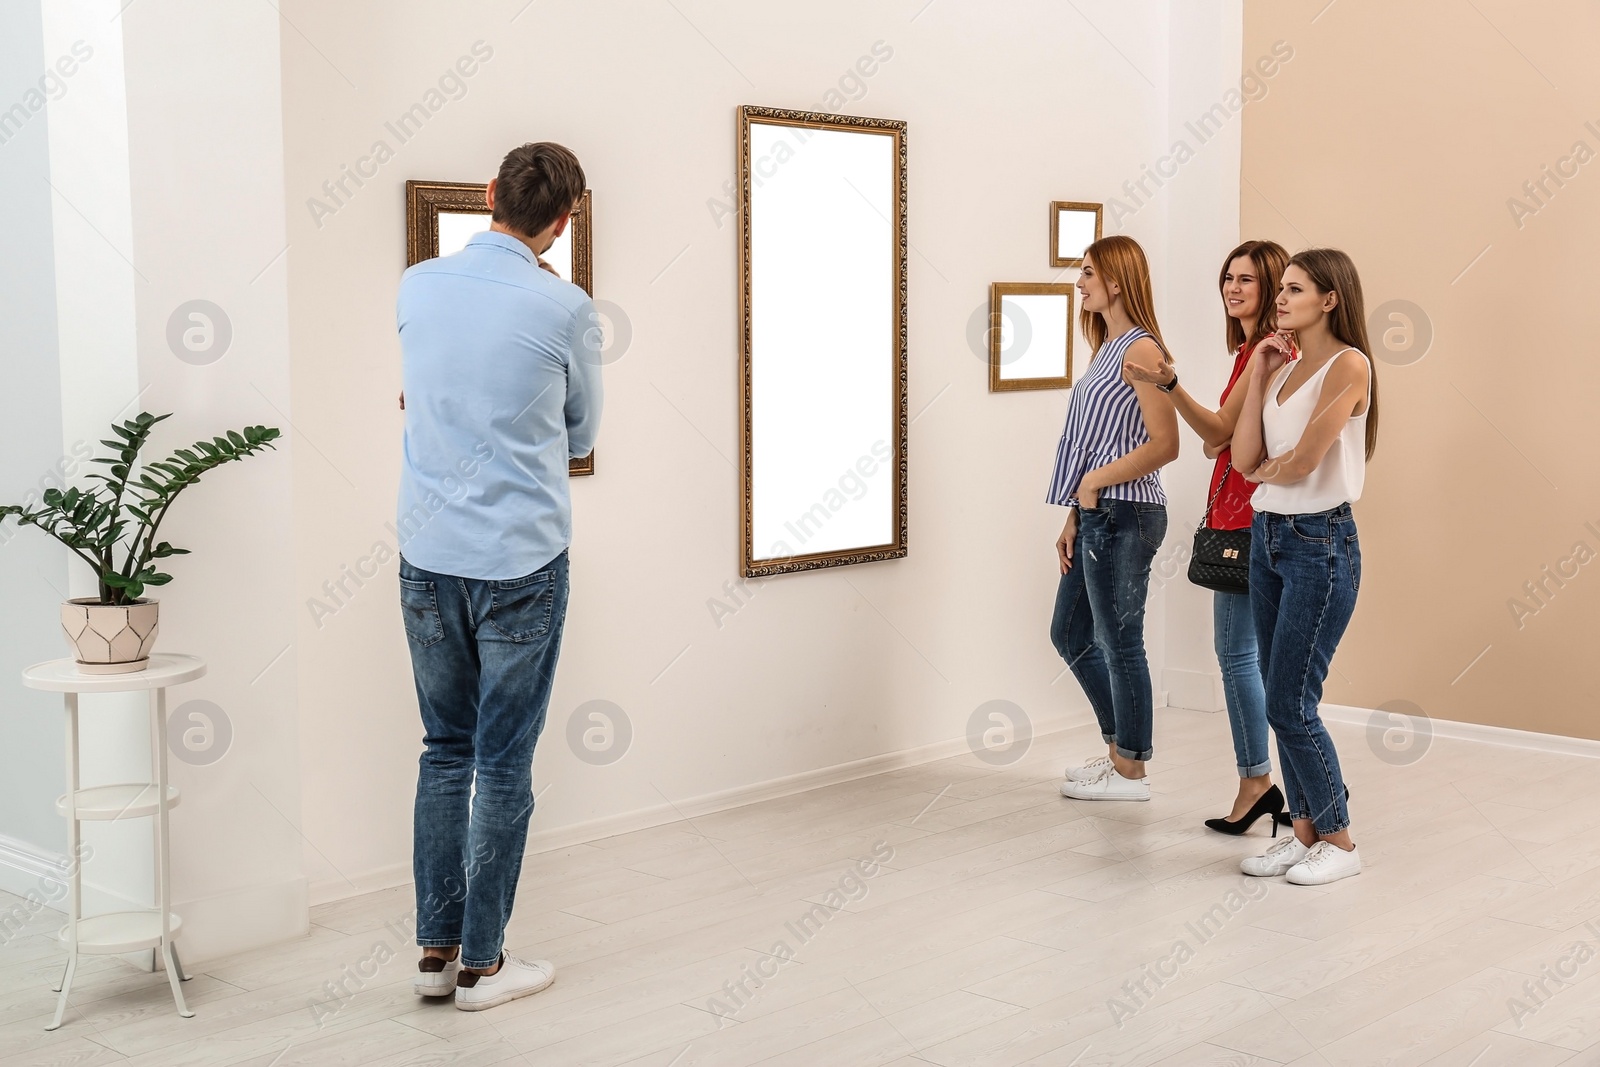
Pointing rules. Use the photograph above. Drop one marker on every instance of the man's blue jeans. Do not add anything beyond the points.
(483, 654)
(1099, 619)
(1305, 571)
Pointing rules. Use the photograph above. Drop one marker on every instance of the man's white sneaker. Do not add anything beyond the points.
(1088, 772)
(1277, 859)
(1110, 785)
(436, 976)
(515, 978)
(1326, 862)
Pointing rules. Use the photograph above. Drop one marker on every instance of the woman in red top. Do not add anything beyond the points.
(1249, 284)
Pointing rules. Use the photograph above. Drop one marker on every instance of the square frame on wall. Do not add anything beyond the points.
(1076, 208)
(1029, 329)
(426, 201)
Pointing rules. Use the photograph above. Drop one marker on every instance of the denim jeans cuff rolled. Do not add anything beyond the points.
(1257, 771)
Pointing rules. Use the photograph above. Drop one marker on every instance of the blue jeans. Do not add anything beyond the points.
(1304, 574)
(1234, 633)
(483, 654)
(1098, 627)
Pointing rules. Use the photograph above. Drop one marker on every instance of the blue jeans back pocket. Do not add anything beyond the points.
(521, 609)
(419, 604)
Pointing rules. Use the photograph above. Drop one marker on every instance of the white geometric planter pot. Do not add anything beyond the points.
(111, 639)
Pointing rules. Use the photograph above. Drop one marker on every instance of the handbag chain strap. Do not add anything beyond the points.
(1204, 519)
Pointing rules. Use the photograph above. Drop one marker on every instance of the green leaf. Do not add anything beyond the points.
(237, 438)
(156, 578)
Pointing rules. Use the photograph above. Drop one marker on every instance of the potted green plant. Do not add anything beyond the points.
(113, 526)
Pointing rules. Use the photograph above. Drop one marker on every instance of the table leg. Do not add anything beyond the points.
(66, 988)
(177, 964)
(75, 901)
(158, 711)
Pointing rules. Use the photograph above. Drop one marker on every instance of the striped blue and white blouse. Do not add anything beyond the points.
(1104, 423)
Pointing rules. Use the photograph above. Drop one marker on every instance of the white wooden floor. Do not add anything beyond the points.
(1007, 929)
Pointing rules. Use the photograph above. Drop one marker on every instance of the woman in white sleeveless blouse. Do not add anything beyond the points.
(1309, 425)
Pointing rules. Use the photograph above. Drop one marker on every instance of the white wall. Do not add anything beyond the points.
(205, 159)
(1201, 204)
(165, 157)
(33, 570)
(1008, 108)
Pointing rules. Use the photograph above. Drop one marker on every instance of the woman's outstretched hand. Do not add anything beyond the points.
(1137, 372)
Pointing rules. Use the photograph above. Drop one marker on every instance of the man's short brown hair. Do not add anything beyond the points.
(537, 183)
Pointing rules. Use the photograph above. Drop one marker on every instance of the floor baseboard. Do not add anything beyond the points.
(1481, 733)
(329, 890)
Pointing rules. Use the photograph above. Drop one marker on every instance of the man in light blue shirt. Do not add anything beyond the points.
(501, 387)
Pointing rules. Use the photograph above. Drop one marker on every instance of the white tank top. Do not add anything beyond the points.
(1339, 477)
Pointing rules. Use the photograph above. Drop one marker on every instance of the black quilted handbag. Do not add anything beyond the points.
(1221, 558)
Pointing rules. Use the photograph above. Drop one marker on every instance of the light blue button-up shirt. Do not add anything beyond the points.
(501, 370)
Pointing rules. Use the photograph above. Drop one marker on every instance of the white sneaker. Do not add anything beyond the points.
(1326, 862)
(1109, 785)
(436, 977)
(516, 978)
(1277, 859)
(1088, 772)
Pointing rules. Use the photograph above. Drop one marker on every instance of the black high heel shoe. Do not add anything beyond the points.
(1283, 816)
(1270, 804)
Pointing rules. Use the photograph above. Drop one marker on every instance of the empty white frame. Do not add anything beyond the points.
(1074, 226)
(1030, 336)
(822, 263)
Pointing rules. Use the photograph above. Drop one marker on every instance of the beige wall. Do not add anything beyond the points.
(1404, 133)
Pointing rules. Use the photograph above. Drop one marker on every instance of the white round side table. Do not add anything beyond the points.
(120, 931)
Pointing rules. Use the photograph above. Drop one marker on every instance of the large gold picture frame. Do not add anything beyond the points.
(426, 201)
(755, 232)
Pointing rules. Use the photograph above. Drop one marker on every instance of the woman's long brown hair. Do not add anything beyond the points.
(1333, 271)
(1119, 259)
(1269, 259)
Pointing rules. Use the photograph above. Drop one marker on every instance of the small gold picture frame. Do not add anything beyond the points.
(1070, 229)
